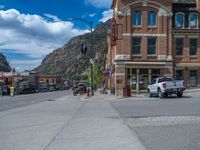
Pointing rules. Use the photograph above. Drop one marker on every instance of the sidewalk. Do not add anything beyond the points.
(192, 90)
(66, 124)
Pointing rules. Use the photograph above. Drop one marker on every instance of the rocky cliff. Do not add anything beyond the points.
(4, 65)
(68, 60)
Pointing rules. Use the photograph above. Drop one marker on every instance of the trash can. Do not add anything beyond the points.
(126, 91)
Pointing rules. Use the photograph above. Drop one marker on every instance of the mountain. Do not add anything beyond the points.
(4, 65)
(68, 60)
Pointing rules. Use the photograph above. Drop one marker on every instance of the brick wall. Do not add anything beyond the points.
(198, 5)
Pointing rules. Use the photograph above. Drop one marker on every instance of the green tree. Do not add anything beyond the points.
(97, 75)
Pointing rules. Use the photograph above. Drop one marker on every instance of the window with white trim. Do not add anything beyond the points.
(136, 45)
(193, 46)
(179, 46)
(180, 20)
(152, 19)
(137, 19)
(151, 45)
(193, 20)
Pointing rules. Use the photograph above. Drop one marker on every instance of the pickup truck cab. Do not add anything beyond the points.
(165, 86)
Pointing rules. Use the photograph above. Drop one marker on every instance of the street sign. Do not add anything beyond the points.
(113, 32)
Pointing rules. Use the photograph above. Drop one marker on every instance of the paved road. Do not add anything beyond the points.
(164, 124)
(100, 123)
(66, 124)
(8, 102)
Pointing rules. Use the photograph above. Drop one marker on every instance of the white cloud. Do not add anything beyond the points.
(99, 3)
(54, 18)
(33, 35)
(21, 65)
(108, 14)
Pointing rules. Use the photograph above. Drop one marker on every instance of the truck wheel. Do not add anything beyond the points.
(179, 94)
(160, 94)
(149, 93)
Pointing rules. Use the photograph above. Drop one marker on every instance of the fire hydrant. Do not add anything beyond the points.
(88, 92)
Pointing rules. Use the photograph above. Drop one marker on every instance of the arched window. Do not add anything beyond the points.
(137, 19)
(193, 20)
(180, 20)
(152, 19)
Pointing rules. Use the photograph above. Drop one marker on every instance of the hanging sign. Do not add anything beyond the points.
(113, 32)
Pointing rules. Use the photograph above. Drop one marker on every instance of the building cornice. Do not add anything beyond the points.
(145, 34)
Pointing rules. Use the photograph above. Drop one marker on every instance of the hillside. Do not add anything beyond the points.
(68, 61)
(4, 65)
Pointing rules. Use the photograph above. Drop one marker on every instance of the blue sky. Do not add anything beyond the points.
(30, 29)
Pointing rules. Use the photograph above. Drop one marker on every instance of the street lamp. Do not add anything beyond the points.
(91, 47)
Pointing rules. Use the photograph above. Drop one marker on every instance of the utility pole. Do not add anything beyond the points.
(91, 50)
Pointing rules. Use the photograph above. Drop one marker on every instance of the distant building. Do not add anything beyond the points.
(6, 81)
(50, 81)
(152, 38)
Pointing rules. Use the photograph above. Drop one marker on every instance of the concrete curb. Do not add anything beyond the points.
(192, 90)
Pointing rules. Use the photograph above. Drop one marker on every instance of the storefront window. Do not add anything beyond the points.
(193, 78)
(179, 46)
(144, 79)
(179, 74)
(131, 78)
(193, 46)
(155, 73)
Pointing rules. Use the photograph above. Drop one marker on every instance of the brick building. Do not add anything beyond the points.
(152, 38)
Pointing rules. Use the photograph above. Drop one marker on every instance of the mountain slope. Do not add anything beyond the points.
(68, 60)
(4, 65)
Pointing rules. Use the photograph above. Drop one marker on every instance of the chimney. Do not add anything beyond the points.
(198, 4)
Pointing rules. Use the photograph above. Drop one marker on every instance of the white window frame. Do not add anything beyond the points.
(180, 13)
(193, 13)
(139, 26)
(152, 26)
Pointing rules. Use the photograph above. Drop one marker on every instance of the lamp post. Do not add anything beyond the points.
(89, 23)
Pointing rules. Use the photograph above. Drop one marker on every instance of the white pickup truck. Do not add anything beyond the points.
(165, 86)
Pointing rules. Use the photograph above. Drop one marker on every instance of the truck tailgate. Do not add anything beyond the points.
(174, 84)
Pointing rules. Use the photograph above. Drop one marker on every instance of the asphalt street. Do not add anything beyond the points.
(8, 102)
(61, 121)
(164, 124)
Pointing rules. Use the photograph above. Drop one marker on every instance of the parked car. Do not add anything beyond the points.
(80, 89)
(51, 89)
(165, 86)
(42, 90)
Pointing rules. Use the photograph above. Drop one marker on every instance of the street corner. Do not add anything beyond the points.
(85, 97)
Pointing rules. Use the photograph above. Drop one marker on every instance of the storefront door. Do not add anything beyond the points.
(193, 78)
